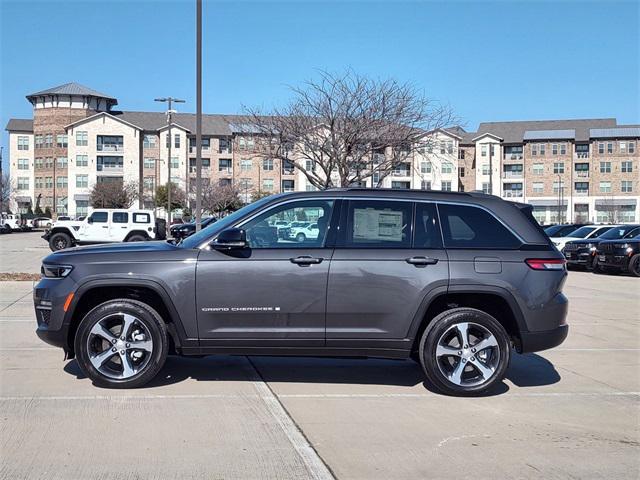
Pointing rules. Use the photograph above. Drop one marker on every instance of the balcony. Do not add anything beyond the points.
(205, 149)
(110, 147)
(110, 169)
(511, 174)
(582, 154)
(581, 193)
(582, 174)
(513, 194)
(513, 156)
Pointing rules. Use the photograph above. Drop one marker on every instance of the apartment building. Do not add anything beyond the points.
(583, 170)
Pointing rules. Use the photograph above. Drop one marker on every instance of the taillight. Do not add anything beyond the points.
(546, 263)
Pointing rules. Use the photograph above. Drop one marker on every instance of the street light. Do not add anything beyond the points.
(170, 101)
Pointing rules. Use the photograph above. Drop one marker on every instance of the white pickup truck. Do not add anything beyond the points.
(103, 226)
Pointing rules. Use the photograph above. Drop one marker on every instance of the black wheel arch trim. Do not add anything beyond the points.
(176, 331)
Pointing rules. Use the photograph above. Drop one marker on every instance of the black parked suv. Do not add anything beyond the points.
(452, 279)
(582, 252)
(621, 255)
(184, 230)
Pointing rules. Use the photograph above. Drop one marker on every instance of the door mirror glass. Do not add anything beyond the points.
(230, 239)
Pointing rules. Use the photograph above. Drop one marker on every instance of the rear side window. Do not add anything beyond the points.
(120, 217)
(472, 227)
(100, 217)
(378, 224)
(141, 218)
(427, 233)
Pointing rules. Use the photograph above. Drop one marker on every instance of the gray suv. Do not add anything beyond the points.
(452, 280)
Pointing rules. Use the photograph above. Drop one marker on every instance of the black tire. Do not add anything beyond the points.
(60, 241)
(146, 315)
(136, 238)
(442, 324)
(301, 237)
(634, 265)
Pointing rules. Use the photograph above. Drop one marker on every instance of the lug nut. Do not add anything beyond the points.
(121, 352)
(460, 352)
(473, 350)
(128, 345)
(122, 338)
(473, 359)
(466, 346)
(114, 341)
(113, 349)
(464, 360)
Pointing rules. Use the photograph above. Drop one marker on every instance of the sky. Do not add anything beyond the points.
(490, 61)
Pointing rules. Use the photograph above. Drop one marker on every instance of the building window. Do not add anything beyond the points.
(534, 149)
(48, 140)
(245, 165)
(39, 182)
(48, 182)
(175, 163)
(605, 187)
(626, 186)
(82, 181)
(310, 165)
(486, 188)
(622, 146)
(626, 166)
(23, 164)
(39, 141)
(460, 154)
(39, 162)
(632, 147)
(485, 169)
(23, 183)
(82, 139)
(109, 163)
(558, 167)
(149, 162)
(288, 185)
(176, 140)
(62, 141)
(601, 148)
(267, 184)
(149, 141)
(605, 167)
(483, 151)
(460, 172)
(425, 185)
(267, 164)
(82, 207)
(401, 185)
(224, 165)
(62, 162)
(446, 186)
(48, 162)
(609, 147)
(558, 186)
(538, 169)
(311, 188)
(82, 160)
(224, 145)
(23, 142)
(542, 148)
(62, 205)
(581, 187)
(538, 187)
(425, 167)
(554, 149)
(149, 183)
(563, 149)
(193, 168)
(110, 143)
(447, 167)
(61, 182)
(288, 168)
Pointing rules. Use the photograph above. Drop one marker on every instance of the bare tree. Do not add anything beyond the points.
(114, 194)
(344, 128)
(6, 192)
(219, 199)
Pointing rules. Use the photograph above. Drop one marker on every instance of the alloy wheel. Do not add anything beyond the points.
(467, 354)
(120, 346)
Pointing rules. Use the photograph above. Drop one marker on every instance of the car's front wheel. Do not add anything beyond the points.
(634, 265)
(300, 237)
(60, 241)
(121, 344)
(465, 351)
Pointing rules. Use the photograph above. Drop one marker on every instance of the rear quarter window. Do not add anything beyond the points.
(466, 226)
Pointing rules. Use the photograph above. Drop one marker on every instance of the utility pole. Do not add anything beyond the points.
(198, 114)
(2, 209)
(170, 101)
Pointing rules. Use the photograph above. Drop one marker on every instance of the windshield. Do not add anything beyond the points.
(582, 232)
(197, 239)
(618, 232)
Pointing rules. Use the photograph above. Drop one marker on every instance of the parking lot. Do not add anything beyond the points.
(569, 412)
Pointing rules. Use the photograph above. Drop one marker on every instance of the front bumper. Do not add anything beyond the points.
(614, 261)
(536, 341)
(578, 258)
(49, 297)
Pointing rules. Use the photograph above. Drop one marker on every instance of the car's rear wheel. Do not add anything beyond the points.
(465, 351)
(300, 237)
(121, 344)
(136, 238)
(634, 265)
(60, 241)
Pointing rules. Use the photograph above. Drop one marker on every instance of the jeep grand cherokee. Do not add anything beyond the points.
(454, 280)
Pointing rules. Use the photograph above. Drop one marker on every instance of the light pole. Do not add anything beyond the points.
(198, 114)
(170, 101)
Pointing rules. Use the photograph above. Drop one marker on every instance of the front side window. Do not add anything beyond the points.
(378, 224)
(301, 224)
(99, 217)
(472, 227)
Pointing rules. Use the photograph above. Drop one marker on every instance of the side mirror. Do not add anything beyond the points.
(89, 220)
(230, 239)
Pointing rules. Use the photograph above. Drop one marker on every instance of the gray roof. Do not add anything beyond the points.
(19, 125)
(513, 132)
(211, 124)
(620, 132)
(72, 88)
(549, 135)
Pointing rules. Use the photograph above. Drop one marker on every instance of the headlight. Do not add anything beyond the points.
(629, 249)
(55, 271)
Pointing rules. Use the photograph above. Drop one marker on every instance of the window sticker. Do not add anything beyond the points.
(370, 224)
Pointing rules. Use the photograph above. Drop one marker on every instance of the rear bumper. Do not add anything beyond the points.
(536, 341)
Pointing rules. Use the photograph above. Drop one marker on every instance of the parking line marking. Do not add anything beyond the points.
(312, 460)
(595, 350)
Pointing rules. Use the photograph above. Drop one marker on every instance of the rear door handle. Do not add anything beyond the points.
(305, 260)
(422, 261)
(104, 227)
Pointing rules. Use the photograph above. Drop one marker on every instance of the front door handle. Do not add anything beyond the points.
(104, 227)
(422, 261)
(305, 260)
